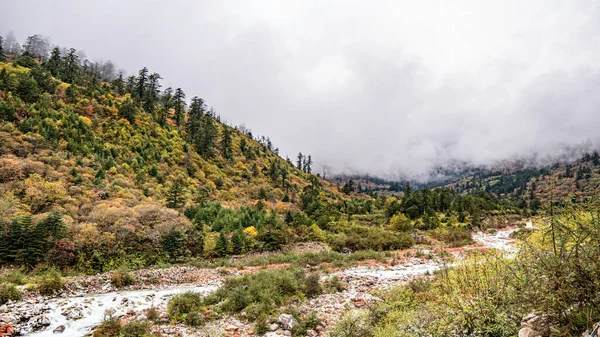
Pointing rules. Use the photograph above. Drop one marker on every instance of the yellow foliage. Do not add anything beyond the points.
(85, 120)
(40, 194)
(251, 231)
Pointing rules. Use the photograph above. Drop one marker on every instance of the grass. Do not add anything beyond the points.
(301, 260)
(121, 278)
(9, 292)
(49, 282)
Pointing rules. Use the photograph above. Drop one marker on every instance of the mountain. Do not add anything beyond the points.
(95, 174)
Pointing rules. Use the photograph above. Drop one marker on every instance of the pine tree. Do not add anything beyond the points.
(100, 175)
(128, 110)
(179, 106)
(299, 162)
(2, 55)
(151, 92)
(140, 86)
(289, 218)
(238, 242)
(206, 142)
(175, 196)
(194, 123)
(222, 247)
(71, 66)
(226, 143)
(55, 63)
(308, 164)
(119, 84)
(173, 242)
(30, 242)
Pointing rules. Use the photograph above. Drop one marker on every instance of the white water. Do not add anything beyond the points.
(500, 240)
(94, 306)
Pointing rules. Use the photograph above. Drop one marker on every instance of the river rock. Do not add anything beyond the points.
(7, 318)
(273, 327)
(287, 321)
(59, 329)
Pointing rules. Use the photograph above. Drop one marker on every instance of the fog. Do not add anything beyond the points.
(392, 90)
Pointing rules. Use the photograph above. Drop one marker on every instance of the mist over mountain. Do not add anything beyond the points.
(396, 90)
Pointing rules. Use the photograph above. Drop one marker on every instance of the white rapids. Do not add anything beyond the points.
(93, 307)
(416, 266)
(90, 310)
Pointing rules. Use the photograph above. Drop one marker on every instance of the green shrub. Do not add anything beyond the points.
(259, 293)
(354, 323)
(135, 329)
(110, 327)
(152, 314)
(453, 237)
(9, 292)
(15, 277)
(312, 287)
(49, 282)
(182, 305)
(121, 278)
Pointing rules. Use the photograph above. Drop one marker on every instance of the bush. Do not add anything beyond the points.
(354, 323)
(259, 293)
(312, 287)
(49, 282)
(453, 237)
(110, 327)
(183, 305)
(135, 329)
(152, 314)
(121, 278)
(9, 292)
(15, 277)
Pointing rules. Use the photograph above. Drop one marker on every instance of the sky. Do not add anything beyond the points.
(388, 88)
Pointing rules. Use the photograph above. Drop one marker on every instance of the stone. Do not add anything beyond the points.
(529, 332)
(59, 329)
(287, 322)
(273, 327)
(7, 318)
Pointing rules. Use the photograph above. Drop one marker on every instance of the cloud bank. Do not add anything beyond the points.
(393, 90)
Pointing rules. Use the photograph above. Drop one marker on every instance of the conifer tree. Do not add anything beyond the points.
(222, 247)
(238, 242)
(173, 242)
(194, 123)
(119, 84)
(179, 106)
(140, 86)
(226, 143)
(299, 161)
(175, 196)
(2, 55)
(71, 66)
(30, 242)
(55, 63)
(307, 164)
(206, 142)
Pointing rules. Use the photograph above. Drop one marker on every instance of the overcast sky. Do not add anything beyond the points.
(383, 87)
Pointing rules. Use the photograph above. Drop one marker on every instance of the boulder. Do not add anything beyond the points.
(59, 329)
(287, 322)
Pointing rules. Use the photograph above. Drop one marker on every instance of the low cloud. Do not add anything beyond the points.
(394, 90)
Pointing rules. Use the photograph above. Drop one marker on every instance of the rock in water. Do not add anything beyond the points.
(287, 322)
(59, 329)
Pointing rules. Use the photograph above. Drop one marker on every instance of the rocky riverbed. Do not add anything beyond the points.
(85, 299)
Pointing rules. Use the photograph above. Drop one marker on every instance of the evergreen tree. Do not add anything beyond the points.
(179, 106)
(71, 66)
(151, 93)
(226, 143)
(173, 242)
(222, 247)
(289, 218)
(55, 63)
(119, 84)
(30, 242)
(299, 161)
(175, 197)
(128, 110)
(2, 55)
(206, 142)
(238, 242)
(140, 86)
(194, 123)
(307, 164)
